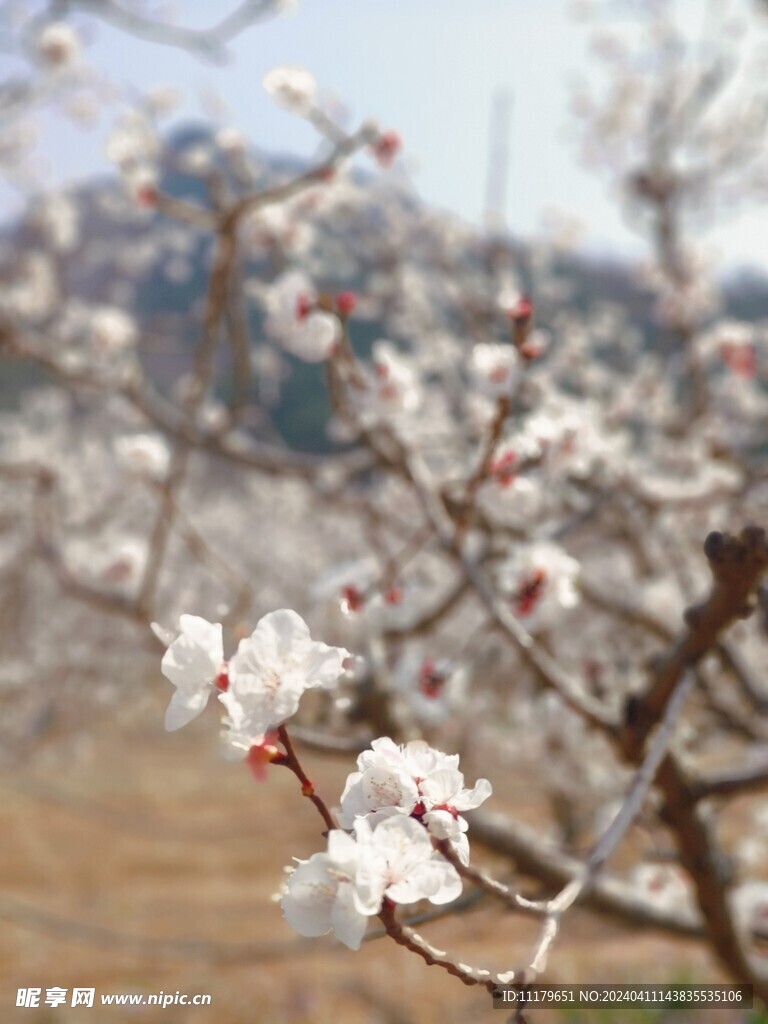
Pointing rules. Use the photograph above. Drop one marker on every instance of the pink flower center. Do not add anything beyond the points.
(504, 469)
(431, 681)
(353, 598)
(529, 592)
(740, 359)
(146, 195)
(447, 807)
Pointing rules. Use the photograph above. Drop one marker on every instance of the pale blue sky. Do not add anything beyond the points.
(428, 68)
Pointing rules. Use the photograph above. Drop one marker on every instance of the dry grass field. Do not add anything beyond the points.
(140, 862)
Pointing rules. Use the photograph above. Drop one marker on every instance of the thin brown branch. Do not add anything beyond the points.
(751, 779)
(491, 886)
(407, 937)
(474, 483)
(543, 664)
(292, 762)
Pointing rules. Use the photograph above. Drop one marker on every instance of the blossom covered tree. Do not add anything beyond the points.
(524, 524)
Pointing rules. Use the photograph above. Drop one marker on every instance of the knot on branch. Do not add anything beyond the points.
(730, 556)
(653, 186)
(737, 564)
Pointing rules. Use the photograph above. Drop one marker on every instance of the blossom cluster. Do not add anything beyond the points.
(400, 801)
(393, 807)
(341, 888)
(260, 686)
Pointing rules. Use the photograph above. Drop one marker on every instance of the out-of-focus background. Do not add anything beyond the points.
(531, 153)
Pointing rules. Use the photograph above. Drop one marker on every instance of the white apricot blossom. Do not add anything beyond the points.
(111, 329)
(398, 854)
(270, 671)
(734, 343)
(31, 290)
(292, 87)
(494, 369)
(323, 893)
(573, 436)
(415, 780)
(306, 332)
(392, 390)
(540, 580)
(134, 142)
(443, 791)
(340, 889)
(314, 337)
(432, 689)
(662, 885)
(193, 662)
(749, 903)
(513, 492)
(144, 455)
(58, 45)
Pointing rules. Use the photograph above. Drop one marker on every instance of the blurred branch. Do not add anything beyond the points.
(734, 783)
(165, 416)
(545, 666)
(541, 859)
(210, 42)
(612, 836)
(737, 565)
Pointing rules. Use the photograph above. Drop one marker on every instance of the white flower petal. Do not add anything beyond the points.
(348, 923)
(185, 705)
(309, 897)
(467, 799)
(194, 659)
(271, 670)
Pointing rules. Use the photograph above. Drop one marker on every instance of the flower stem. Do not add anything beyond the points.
(292, 762)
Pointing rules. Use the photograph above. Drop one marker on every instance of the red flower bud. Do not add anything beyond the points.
(222, 679)
(504, 469)
(522, 310)
(147, 196)
(386, 147)
(345, 303)
(263, 754)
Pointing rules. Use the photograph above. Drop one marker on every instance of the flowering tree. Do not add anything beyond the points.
(525, 525)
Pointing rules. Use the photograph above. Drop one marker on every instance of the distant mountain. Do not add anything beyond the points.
(158, 269)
